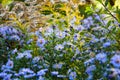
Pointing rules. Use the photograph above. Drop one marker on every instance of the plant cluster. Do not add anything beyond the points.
(74, 41)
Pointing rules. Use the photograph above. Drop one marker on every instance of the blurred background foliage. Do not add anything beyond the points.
(43, 13)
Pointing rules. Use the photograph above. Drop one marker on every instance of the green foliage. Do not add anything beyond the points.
(6, 2)
(85, 10)
(80, 42)
(61, 13)
(118, 13)
(3, 51)
(106, 2)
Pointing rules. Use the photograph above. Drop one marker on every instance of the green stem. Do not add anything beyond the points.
(113, 36)
(109, 12)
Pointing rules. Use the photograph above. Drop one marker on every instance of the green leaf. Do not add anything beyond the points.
(106, 2)
(46, 12)
(88, 10)
(117, 13)
(99, 1)
(109, 23)
(6, 2)
(0, 1)
(58, 6)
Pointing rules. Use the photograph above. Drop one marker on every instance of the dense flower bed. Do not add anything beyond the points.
(79, 52)
(85, 51)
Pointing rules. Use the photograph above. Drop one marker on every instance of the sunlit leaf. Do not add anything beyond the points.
(6, 2)
(106, 2)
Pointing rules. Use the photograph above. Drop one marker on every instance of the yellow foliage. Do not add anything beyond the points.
(6, 2)
(117, 3)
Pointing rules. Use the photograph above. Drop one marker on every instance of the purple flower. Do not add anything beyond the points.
(114, 72)
(35, 59)
(49, 31)
(14, 37)
(61, 76)
(10, 33)
(107, 44)
(41, 78)
(26, 54)
(9, 64)
(16, 79)
(94, 40)
(90, 69)
(14, 51)
(79, 28)
(90, 77)
(41, 42)
(54, 73)
(76, 36)
(77, 51)
(29, 75)
(42, 72)
(20, 55)
(115, 61)
(26, 72)
(102, 57)
(7, 77)
(59, 47)
(3, 74)
(60, 34)
(72, 75)
(58, 66)
(29, 41)
(88, 62)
